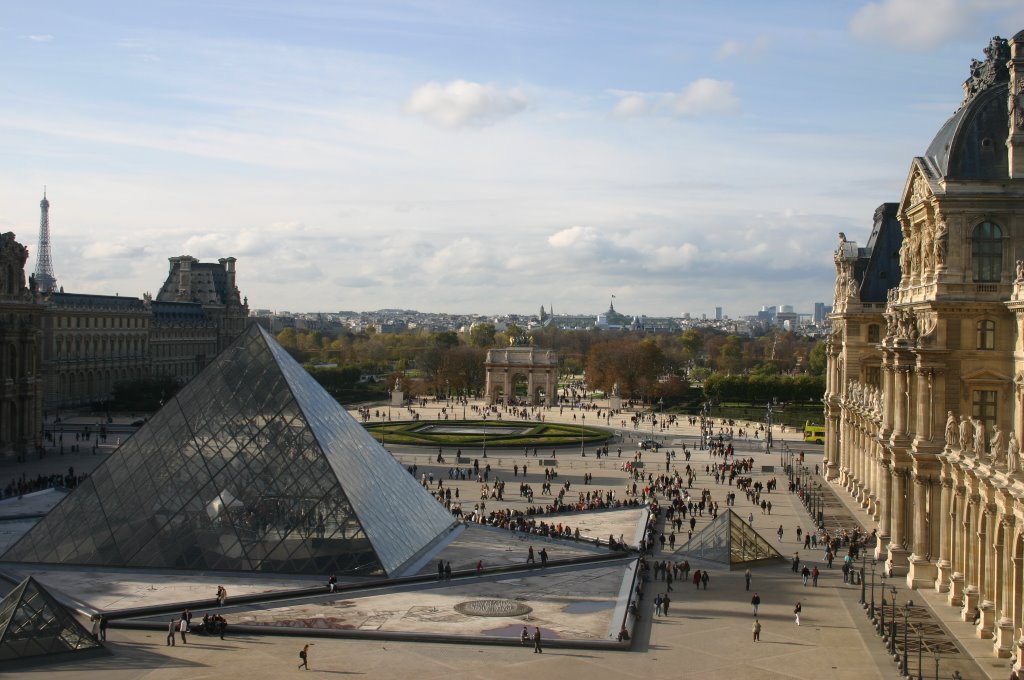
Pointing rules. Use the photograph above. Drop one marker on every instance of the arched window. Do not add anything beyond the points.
(986, 335)
(987, 252)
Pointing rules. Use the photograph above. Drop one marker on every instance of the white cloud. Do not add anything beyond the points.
(631, 105)
(704, 97)
(461, 102)
(46, 37)
(730, 48)
(108, 250)
(573, 237)
(913, 24)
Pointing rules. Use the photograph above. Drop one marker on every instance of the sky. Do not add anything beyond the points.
(474, 157)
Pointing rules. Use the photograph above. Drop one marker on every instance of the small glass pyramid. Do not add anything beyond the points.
(729, 540)
(252, 466)
(33, 623)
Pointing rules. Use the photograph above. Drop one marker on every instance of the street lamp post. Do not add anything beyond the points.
(920, 644)
(768, 435)
(935, 655)
(485, 440)
(906, 625)
(871, 606)
(880, 624)
(892, 627)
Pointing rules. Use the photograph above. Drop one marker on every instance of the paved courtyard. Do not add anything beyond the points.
(707, 633)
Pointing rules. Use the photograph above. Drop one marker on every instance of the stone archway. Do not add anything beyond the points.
(539, 366)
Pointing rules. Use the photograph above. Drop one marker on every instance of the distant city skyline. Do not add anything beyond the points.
(475, 157)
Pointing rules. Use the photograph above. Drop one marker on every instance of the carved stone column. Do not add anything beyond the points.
(922, 572)
(1003, 646)
(986, 543)
(897, 562)
(885, 512)
(945, 508)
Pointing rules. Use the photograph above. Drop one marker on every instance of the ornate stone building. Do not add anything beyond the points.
(92, 342)
(506, 367)
(925, 394)
(211, 285)
(21, 384)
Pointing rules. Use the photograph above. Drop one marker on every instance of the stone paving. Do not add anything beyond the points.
(707, 633)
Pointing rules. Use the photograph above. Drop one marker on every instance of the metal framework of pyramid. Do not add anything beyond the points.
(252, 466)
(729, 540)
(34, 624)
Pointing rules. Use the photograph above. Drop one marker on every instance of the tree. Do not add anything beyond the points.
(818, 359)
(482, 335)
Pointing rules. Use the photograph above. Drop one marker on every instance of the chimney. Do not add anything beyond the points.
(1015, 140)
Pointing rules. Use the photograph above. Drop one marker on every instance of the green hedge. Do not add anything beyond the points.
(540, 434)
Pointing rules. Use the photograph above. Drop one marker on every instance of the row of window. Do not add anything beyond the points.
(985, 339)
(100, 322)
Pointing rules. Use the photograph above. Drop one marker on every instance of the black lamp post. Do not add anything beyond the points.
(871, 607)
(892, 627)
(920, 645)
(863, 583)
(880, 624)
(768, 436)
(935, 655)
(906, 624)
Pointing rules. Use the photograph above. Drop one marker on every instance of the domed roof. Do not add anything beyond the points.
(972, 143)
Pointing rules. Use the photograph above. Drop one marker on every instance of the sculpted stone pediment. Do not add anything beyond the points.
(917, 189)
(986, 375)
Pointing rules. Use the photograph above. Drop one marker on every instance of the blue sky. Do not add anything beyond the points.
(475, 156)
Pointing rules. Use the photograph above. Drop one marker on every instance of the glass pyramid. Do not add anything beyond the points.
(33, 623)
(730, 540)
(252, 466)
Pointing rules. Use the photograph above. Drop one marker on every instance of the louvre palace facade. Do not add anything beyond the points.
(924, 401)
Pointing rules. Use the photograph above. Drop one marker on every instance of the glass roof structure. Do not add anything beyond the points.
(252, 466)
(33, 624)
(730, 540)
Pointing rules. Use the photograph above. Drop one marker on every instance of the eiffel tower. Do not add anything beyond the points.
(46, 282)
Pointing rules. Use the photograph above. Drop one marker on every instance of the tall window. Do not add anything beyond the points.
(986, 335)
(987, 252)
(874, 333)
(984, 408)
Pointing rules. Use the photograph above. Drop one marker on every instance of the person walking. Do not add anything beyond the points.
(182, 629)
(805, 573)
(755, 602)
(172, 628)
(814, 575)
(796, 610)
(304, 655)
(780, 532)
(536, 641)
(757, 630)
(103, 628)
(665, 602)
(746, 577)
(704, 578)
(524, 637)
(529, 557)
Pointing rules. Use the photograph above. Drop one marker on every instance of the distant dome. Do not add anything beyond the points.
(972, 144)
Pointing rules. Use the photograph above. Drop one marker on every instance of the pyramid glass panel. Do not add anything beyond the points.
(729, 540)
(251, 467)
(33, 623)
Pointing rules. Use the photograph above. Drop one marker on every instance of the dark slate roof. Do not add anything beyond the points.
(972, 144)
(107, 301)
(878, 264)
(179, 313)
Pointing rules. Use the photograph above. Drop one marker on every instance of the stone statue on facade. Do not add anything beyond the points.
(1012, 451)
(979, 438)
(939, 244)
(997, 444)
(965, 434)
(952, 431)
(1020, 270)
(398, 384)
